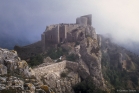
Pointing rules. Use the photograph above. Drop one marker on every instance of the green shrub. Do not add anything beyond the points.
(72, 57)
(34, 61)
(55, 53)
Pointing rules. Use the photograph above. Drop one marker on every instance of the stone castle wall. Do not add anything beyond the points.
(56, 67)
(51, 36)
(62, 32)
(82, 21)
(71, 27)
(57, 33)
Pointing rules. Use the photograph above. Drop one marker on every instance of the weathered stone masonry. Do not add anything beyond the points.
(63, 32)
(58, 67)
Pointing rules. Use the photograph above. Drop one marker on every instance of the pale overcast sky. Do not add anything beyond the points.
(27, 19)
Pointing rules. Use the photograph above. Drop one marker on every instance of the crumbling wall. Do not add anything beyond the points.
(59, 67)
(52, 34)
(70, 27)
(50, 68)
(56, 67)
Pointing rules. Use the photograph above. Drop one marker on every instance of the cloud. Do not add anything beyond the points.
(27, 20)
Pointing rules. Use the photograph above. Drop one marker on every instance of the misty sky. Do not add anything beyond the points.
(27, 19)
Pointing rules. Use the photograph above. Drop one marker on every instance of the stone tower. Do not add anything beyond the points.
(84, 20)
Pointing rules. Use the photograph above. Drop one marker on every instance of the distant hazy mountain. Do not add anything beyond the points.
(132, 46)
(129, 44)
(10, 36)
(10, 42)
(120, 67)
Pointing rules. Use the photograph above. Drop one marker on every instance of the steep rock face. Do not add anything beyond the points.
(91, 55)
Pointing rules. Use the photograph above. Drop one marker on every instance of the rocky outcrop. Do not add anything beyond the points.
(91, 54)
(88, 50)
(16, 76)
(3, 69)
(62, 76)
(62, 83)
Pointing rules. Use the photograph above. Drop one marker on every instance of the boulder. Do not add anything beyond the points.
(3, 69)
(31, 87)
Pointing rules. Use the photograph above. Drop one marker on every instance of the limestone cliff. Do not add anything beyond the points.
(91, 55)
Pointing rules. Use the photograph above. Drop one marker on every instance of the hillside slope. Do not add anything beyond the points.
(120, 67)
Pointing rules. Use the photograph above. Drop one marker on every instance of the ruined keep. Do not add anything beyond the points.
(60, 33)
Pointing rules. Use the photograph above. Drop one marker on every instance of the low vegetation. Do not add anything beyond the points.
(87, 86)
(55, 53)
(114, 74)
(36, 60)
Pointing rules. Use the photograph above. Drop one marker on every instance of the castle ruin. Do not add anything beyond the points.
(60, 33)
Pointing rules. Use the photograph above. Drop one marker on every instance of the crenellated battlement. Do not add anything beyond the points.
(48, 28)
